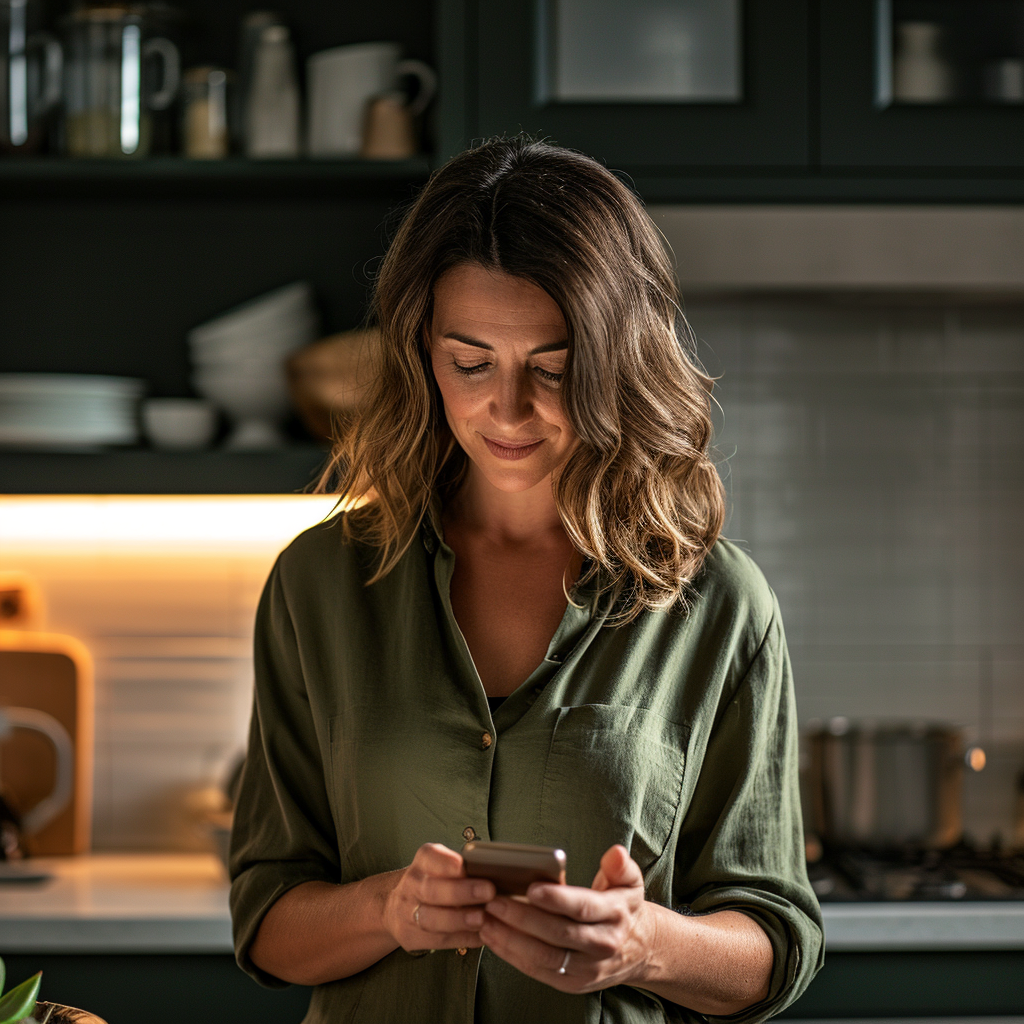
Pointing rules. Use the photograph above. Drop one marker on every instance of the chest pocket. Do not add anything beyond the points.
(614, 774)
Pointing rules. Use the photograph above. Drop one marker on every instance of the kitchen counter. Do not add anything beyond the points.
(112, 903)
(179, 903)
(854, 927)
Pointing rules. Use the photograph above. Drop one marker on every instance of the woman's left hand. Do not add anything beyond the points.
(601, 928)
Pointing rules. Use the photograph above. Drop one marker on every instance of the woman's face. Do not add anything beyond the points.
(498, 347)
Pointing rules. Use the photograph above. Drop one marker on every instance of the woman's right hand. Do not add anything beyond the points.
(434, 905)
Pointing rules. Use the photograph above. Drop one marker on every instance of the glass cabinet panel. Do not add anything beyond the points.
(949, 52)
(931, 84)
(642, 51)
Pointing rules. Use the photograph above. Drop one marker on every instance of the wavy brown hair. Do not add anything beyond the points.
(639, 495)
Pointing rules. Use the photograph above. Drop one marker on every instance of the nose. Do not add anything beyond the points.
(512, 399)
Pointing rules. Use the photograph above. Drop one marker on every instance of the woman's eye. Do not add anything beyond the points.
(554, 378)
(469, 370)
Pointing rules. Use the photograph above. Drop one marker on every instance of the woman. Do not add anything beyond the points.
(530, 632)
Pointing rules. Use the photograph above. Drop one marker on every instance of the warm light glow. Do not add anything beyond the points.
(976, 759)
(165, 521)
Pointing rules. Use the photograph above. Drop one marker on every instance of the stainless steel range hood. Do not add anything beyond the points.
(890, 250)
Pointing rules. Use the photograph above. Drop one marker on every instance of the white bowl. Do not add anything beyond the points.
(256, 348)
(284, 304)
(254, 401)
(244, 394)
(179, 423)
(281, 334)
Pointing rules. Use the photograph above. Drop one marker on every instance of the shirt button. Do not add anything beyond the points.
(486, 740)
(468, 833)
(462, 951)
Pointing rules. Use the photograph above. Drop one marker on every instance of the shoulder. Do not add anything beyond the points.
(730, 585)
(323, 552)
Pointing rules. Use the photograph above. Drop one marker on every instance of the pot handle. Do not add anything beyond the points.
(50, 806)
(975, 759)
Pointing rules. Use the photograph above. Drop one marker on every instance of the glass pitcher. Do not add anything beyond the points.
(111, 81)
(30, 72)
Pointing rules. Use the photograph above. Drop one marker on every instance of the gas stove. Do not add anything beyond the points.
(959, 873)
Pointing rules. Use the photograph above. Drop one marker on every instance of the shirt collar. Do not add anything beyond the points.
(431, 530)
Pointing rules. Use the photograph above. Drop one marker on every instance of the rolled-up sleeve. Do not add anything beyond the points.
(741, 843)
(283, 832)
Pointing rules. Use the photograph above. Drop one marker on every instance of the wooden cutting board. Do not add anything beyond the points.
(51, 673)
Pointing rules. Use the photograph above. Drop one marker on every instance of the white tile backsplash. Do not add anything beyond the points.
(875, 468)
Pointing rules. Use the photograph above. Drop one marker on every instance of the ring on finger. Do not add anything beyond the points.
(565, 962)
(416, 914)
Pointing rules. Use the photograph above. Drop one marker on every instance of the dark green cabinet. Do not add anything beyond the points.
(808, 127)
(210, 989)
(857, 131)
(766, 127)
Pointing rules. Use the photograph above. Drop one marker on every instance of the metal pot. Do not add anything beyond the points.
(887, 786)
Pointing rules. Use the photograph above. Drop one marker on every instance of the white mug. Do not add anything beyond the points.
(340, 84)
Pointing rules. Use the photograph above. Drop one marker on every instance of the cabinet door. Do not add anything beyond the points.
(863, 126)
(531, 71)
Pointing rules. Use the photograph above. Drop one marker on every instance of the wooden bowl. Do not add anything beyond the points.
(328, 379)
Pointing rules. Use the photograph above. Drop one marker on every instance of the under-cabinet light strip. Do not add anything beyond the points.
(136, 521)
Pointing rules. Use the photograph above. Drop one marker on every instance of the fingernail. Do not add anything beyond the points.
(474, 918)
(481, 891)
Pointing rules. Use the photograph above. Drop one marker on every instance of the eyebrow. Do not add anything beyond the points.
(551, 346)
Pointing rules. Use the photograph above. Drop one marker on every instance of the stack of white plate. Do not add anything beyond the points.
(239, 360)
(68, 410)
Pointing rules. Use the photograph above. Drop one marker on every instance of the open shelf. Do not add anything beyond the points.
(56, 177)
(147, 471)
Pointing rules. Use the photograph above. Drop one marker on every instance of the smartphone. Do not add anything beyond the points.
(513, 866)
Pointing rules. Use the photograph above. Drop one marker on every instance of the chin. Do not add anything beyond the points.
(512, 478)
(515, 482)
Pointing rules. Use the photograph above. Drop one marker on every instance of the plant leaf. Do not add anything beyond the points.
(3, 974)
(20, 1001)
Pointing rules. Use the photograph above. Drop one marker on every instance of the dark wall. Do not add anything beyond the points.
(109, 286)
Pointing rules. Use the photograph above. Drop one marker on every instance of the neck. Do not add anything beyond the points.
(518, 517)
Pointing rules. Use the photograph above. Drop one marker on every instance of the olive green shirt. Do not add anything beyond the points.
(674, 735)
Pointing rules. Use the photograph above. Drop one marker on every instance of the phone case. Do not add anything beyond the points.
(512, 867)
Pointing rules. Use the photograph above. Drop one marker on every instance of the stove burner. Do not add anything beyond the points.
(960, 873)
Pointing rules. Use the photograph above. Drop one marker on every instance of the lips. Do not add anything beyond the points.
(512, 450)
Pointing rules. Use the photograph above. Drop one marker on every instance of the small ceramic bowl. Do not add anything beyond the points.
(179, 423)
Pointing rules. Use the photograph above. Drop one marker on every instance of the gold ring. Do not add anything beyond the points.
(565, 962)
(416, 914)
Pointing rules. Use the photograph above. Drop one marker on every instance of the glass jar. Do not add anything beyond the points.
(111, 86)
(204, 132)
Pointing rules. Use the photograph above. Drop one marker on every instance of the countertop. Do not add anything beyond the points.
(119, 903)
(150, 903)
